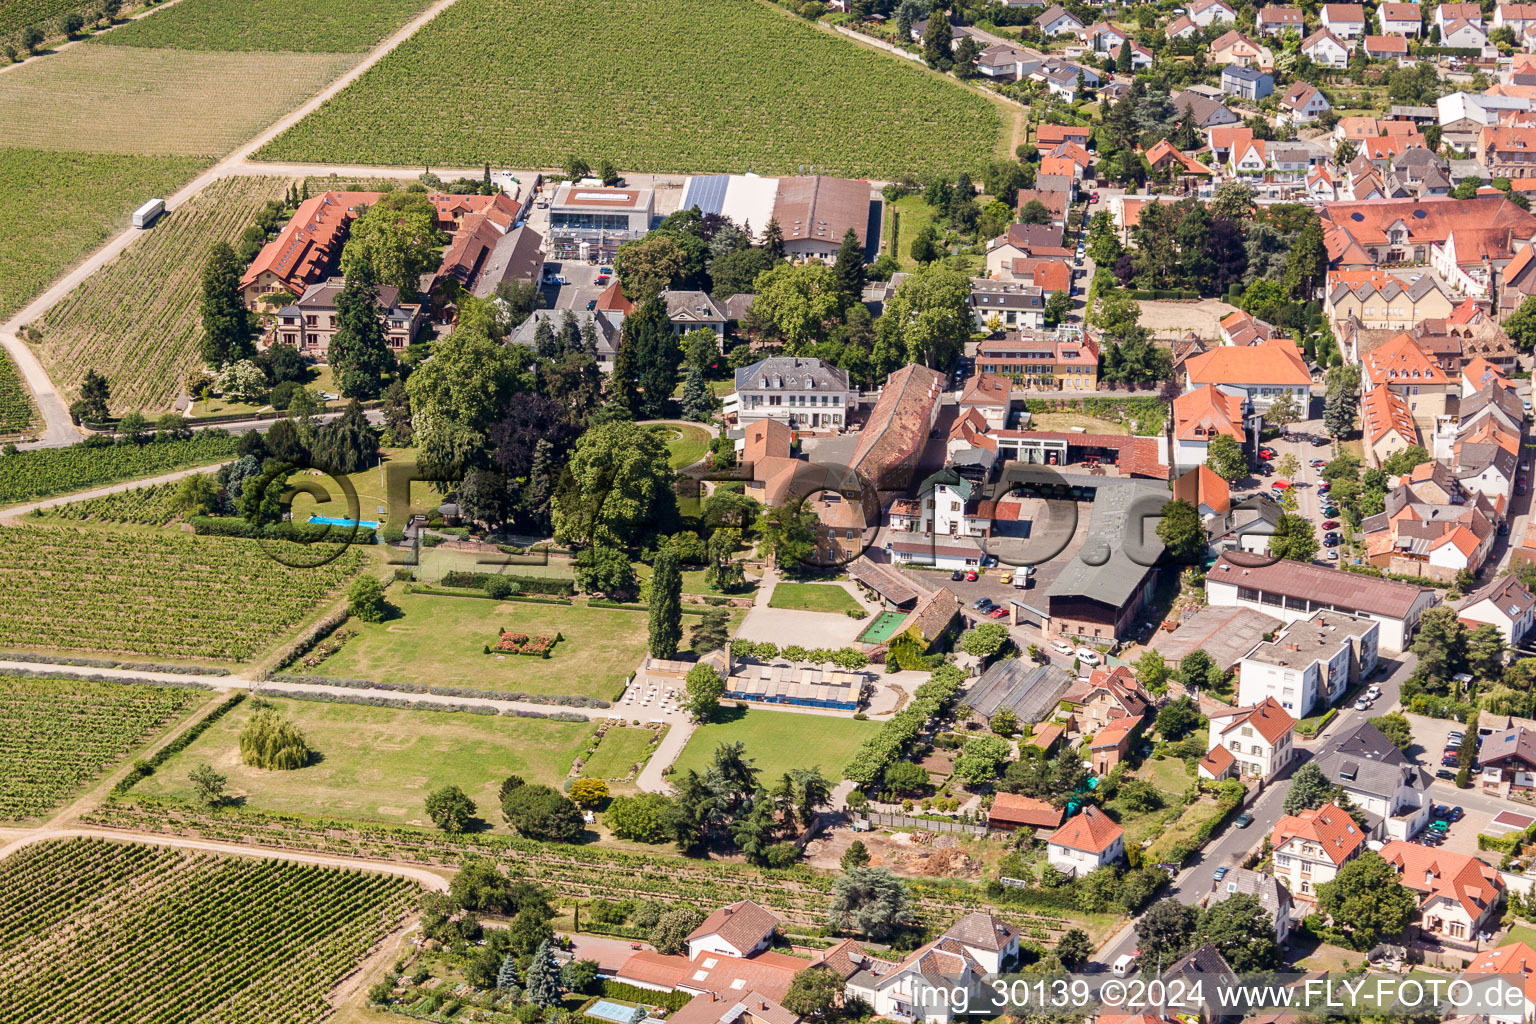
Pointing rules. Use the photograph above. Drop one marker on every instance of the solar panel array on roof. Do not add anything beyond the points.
(707, 193)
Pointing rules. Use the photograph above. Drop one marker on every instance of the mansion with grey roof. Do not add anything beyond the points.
(799, 392)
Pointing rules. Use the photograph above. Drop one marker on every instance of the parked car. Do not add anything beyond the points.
(1061, 647)
(1266, 453)
(1445, 774)
(1220, 873)
(1330, 524)
(591, 304)
(1318, 442)
(1331, 541)
(971, 576)
(981, 604)
(1087, 656)
(1244, 820)
(1093, 197)
(1454, 814)
(956, 575)
(1449, 760)
(1005, 578)
(998, 612)
(602, 278)
(1333, 554)
(1362, 704)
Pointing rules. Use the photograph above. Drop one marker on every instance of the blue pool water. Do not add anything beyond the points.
(605, 1010)
(370, 523)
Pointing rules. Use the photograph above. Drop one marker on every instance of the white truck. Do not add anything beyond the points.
(145, 215)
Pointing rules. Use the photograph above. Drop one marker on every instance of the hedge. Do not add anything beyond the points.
(127, 666)
(524, 584)
(636, 994)
(1164, 294)
(479, 595)
(303, 533)
(896, 736)
(1382, 574)
(143, 769)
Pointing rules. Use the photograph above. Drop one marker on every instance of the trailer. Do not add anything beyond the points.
(145, 215)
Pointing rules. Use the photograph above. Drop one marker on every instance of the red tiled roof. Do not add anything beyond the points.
(1274, 362)
(1381, 411)
(1402, 361)
(1334, 831)
(1218, 761)
(1210, 409)
(1201, 486)
(743, 924)
(898, 425)
(1012, 809)
(1511, 958)
(613, 300)
(1437, 873)
(1091, 831)
(1268, 717)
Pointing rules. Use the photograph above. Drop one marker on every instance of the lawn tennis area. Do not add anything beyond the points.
(379, 763)
(813, 597)
(779, 741)
(440, 641)
(883, 628)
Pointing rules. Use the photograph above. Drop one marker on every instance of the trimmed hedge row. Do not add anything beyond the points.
(479, 595)
(896, 736)
(524, 584)
(303, 533)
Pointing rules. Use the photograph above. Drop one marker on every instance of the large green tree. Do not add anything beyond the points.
(460, 392)
(1244, 931)
(398, 238)
(1367, 902)
(928, 320)
(228, 327)
(655, 354)
(1294, 538)
(666, 617)
(794, 304)
(617, 484)
(359, 354)
(1310, 789)
(1225, 457)
(1181, 532)
(872, 902)
(1165, 932)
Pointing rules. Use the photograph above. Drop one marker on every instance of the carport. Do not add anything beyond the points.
(1040, 615)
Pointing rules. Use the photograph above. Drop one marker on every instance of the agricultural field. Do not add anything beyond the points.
(120, 99)
(725, 90)
(45, 472)
(287, 26)
(164, 594)
(16, 412)
(93, 930)
(440, 641)
(56, 735)
(57, 207)
(136, 320)
(140, 506)
(377, 763)
(779, 741)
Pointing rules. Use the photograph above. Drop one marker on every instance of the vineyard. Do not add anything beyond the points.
(715, 85)
(56, 207)
(141, 506)
(15, 402)
(120, 99)
(92, 931)
(44, 472)
(291, 26)
(163, 594)
(136, 320)
(56, 736)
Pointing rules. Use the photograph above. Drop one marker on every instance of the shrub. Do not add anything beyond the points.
(450, 809)
(365, 599)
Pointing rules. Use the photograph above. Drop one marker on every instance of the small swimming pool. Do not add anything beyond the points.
(604, 1009)
(333, 521)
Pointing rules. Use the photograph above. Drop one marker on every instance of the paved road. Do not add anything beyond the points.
(57, 428)
(101, 492)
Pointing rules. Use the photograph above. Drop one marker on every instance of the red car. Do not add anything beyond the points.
(602, 279)
(998, 613)
(1330, 524)
(970, 577)
(1093, 198)
(1266, 453)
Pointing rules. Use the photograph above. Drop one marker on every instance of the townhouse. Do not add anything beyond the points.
(1504, 604)
(1404, 367)
(1508, 151)
(1251, 742)
(1386, 424)
(1383, 301)
(1312, 846)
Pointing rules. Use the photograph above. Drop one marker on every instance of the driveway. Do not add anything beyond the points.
(808, 629)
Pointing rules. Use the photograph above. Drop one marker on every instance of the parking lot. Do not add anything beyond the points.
(581, 284)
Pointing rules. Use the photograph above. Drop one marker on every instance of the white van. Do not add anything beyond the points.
(1125, 964)
(1088, 657)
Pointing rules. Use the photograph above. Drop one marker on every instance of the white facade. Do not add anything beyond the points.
(1257, 757)
(1327, 52)
(1080, 862)
(1303, 673)
(1394, 631)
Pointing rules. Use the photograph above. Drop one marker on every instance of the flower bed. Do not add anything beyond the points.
(521, 643)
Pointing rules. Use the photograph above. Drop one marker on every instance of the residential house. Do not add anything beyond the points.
(1010, 812)
(1105, 697)
(1202, 973)
(1240, 328)
(974, 947)
(1232, 47)
(1310, 663)
(1347, 21)
(1447, 14)
(1168, 162)
(1383, 301)
(1504, 604)
(1049, 136)
(1303, 103)
(1402, 231)
(1254, 742)
(605, 326)
(1508, 759)
(1386, 425)
(1199, 416)
(1182, 27)
(1112, 745)
(1518, 18)
(1055, 203)
(1493, 969)
(1478, 374)
(728, 961)
(1275, 21)
(1312, 846)
(1259, 373)
(1206, 13)
(1001, 62)
(1246, 83)
(1000, 305)
(1048, 274)
(801, 392)
(1208, 494)
(1023, 240)
(1103, 38)
(1470, 259)
(1324, 48)
(1390, 792)
(1055, 21)
(1271, 893)
(1088, 841)
(1463, 33)
(309, 322)
(1459, 895)
(1206, 112)
(740, 929)
(1039, 360)
(1508, 151)
(1399, 19)
(1403, 367)
(695, 311)
(1298, 590)
(987, 395)
(1385, 48)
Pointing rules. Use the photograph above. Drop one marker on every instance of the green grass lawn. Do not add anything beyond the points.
(1521, 933)
(621, 748)
(439, 641)
(372, 494)
(911, 214)
(779, 741)
(686, 444)
(379, 764)
(1168, 775)
(693, 582)
(813, 597)
(437, 562)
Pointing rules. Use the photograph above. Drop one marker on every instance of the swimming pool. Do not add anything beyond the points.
(333, 521)
(604, 1009)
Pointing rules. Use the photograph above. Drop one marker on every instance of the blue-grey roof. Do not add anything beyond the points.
(707, 193)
